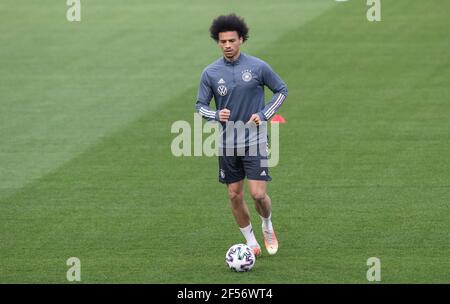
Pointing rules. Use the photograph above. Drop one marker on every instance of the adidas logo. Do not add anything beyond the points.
(263, 173)
(221, 81)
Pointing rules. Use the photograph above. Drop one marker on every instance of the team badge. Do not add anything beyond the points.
(222, 90)
(247, 75)
(222, 174)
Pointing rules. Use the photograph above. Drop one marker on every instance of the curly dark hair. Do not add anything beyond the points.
(228, 23)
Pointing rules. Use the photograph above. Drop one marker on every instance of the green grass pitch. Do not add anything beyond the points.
(85, 163)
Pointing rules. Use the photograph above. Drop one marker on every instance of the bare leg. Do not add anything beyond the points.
(238, 205)
(263, 204)
(242, 215)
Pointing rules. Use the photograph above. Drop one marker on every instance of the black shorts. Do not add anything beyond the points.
(236, 164)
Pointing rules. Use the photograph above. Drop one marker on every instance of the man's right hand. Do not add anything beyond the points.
(224, 115)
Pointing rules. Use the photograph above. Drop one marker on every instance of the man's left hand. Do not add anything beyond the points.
(255, 118)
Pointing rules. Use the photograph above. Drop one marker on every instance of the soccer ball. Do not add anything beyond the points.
(240, 258)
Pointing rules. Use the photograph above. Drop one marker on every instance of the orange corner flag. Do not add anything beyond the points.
(278, 119)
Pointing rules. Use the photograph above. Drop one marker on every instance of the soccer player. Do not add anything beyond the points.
(237, 81)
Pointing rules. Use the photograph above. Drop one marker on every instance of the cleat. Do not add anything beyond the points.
(256, 250)
(271, 242)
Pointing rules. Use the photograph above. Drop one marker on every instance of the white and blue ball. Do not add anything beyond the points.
(240, 258)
